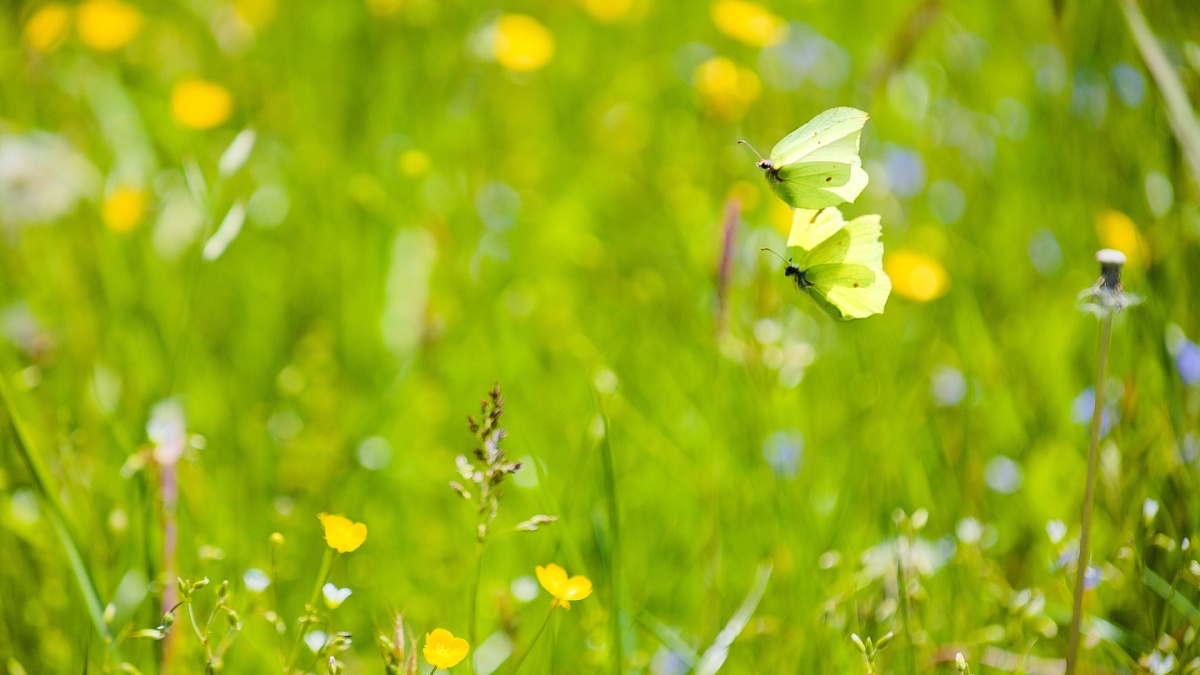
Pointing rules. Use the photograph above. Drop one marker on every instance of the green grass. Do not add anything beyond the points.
(564, 242)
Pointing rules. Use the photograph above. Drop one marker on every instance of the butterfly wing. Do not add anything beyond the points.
(845, 270)
(811, 227)
(818, 165)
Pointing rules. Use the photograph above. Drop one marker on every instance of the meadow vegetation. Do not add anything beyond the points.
(382, 336)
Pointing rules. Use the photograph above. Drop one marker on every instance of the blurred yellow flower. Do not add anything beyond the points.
(725, 88)
(106, 25)
(748, 22)
(413, 162)
(200, 104)
(554, 579)
(746, 193)
(916, 276)
(47, 28)
(608, 11)
(1116, 230)
(124, 208)
(342, 534)
(384, 8)
(256, 13)
(521, 43)
(781, 217)
(443, 650)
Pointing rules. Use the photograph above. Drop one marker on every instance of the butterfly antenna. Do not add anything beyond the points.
(760, 157)
(785, 260)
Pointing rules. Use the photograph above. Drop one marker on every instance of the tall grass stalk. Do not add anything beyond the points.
(57, 514)
(1104, 299)
(614, 523)
(1085, 535)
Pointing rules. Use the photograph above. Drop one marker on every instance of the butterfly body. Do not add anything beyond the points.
(802, 281)
(839, 264)
(817, 165)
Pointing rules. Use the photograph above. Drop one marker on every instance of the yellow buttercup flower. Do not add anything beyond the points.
(1116, 230)
(522, 44)
(748, 22)
(200, 104)
(413, 162)
(725, 88)
(47, 28)
(384, 8)
(746, 193)
(609, 11)
(124, 208)
(781, 217)
(565, 591)
(256, 13)
(443, 650)
(342, 534)
(916, 276)
(107, 25)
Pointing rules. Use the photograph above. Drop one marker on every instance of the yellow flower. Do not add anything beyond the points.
(413, 162)
(554, 579)
(916, 276)
(443, 650)
(522, 44)
(608, 11)
(746, 193)
(124, 208)
(200, 104)
(256, 13)
(384, 8)
(47, 28)
(781, 217)
(342, 534)
(748, 22)
(1115, 230)
(725, 88)
(106, 25)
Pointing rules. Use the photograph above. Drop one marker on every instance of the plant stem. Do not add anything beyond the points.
(529, 649)
(326, 563)
(614, 559)
(1081, 565)
(473, 610)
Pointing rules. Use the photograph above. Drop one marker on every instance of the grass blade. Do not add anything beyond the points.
(1180, 113)
(56, 512)
(714, 657)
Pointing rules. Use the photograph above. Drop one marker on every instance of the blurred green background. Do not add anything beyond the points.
(443, 195)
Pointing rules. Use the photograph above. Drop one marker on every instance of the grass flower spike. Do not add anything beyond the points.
(443, 650)
(565, 590)
(342, 534)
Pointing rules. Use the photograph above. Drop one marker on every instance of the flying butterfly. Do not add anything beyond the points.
(818, 165)
(838, 263)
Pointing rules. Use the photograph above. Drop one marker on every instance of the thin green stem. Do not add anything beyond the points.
(473, 610)
(529, 649)
(614, 548)
(1085, 534)
(433, 670)
(326, 564)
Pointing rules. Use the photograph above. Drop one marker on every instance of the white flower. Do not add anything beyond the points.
(256, 580)
(41, 178)
(167, 430)
(334, 596)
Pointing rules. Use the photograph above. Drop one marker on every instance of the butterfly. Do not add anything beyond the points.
(838, 263)
(818, 165)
